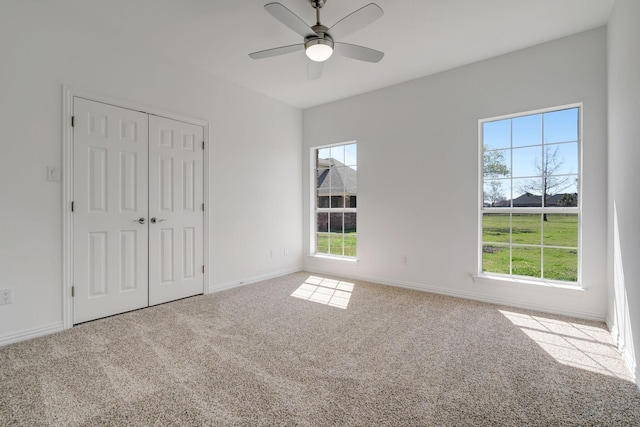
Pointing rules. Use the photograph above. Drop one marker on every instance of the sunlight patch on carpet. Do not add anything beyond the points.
(573, 344)
(335, 293)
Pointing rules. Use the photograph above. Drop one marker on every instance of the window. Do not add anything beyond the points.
(530, 209)
(335, 200)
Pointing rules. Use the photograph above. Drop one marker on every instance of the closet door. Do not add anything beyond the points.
(110, 234)
(175, 210)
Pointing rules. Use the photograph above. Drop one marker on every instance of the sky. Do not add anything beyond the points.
(346, 154)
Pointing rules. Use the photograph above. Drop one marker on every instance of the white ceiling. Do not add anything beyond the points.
(419, 37)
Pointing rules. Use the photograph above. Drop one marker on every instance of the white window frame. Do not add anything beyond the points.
(315, 209)
(530, 210)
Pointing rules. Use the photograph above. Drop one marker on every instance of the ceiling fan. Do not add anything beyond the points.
(320, 41)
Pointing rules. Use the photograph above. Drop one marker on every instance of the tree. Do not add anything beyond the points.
(493, 164)
(569, 199)
(495, 194)
(551, 183)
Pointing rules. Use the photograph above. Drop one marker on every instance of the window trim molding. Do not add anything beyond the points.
(313, 208)
(482, 276)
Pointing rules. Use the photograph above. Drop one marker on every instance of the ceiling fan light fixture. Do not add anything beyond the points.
(319, 49)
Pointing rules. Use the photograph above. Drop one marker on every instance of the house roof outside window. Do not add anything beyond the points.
(335, 178)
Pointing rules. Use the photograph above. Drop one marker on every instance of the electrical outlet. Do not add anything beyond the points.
(53, 173)
(6, 296)
(405, 260)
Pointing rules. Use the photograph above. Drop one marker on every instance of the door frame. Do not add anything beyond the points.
(68, 93)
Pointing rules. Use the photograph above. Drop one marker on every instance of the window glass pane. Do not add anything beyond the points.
(562, 200)
(322, 235)
(526, 162)
(337, 153)
(323, 182)
(496, 193)
(350, 222)
(495, 258)
(561, 159)
(322, 176)
(561, 126)
(336, 222)
(338, 177)
(337, 202)
(336, 228)
(561, 264)
(527, 130)
(526, 229)
(322, 243)
(350, 179)
(351, 201)
(496, 164)
(561, 230)
(526, 261)
(343, 181)
(324, 153)
(323, 201)
(322, 222)
(526, 192)
(350, 155)
(336, 244)
(496, 228)
(496, 134)
(350, 228)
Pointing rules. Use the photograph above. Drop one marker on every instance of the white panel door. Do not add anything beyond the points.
(110, 234)
(175, 210)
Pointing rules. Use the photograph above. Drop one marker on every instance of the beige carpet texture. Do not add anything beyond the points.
(310, 350)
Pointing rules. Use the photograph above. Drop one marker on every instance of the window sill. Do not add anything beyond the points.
(484, 278)
(334, 258)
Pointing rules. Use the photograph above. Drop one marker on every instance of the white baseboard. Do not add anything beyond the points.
(26, 334)
(468, 295)
(253, 279)
(613, 328)
(624, 351)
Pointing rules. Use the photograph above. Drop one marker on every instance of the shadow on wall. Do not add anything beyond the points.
(621, 318)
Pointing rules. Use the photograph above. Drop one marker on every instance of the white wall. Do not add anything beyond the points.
(255, 153)
(418, 171)
(624, 177)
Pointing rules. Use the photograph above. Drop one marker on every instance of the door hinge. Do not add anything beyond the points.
(73, 121)
(72, 206)
(203, 207)
(203, 145)
(73, 291)
(203, 268)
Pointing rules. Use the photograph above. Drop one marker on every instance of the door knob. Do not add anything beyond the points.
(141, 220)
(154, 220)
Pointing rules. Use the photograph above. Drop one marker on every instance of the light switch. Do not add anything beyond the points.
(53, 173)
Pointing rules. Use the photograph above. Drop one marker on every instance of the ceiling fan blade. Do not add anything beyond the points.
(360, 53)
(277, 51)
(356, 21)
(289, 19)
(314, 70)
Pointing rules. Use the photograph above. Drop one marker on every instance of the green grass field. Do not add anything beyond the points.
(529, 229)
(336, 241)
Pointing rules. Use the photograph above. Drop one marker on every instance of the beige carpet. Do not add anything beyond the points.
(257, 355)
